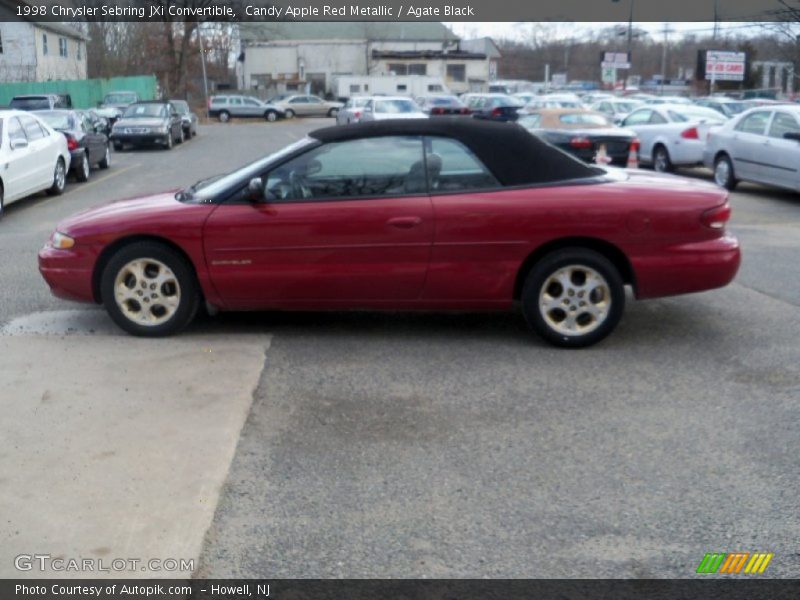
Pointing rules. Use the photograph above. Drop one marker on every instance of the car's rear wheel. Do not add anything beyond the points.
(271, 116)
(59, 178)
(224, 116)
(83, 171)
(723, 172)
(289, 113)
(661, 160)
(106, 162)
(149, 290)
(573, 297)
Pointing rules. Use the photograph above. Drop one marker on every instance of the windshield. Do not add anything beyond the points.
(57, 120)
(145, 111)
(120, 98)
(206, 189)
(30, 103)
(396, 106)
(181, 108)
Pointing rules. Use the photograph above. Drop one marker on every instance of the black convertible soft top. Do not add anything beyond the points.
(513, 155)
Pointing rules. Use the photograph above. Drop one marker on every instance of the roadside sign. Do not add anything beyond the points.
(609, 75)
(725, 66)
(620, 60)
(614, 65)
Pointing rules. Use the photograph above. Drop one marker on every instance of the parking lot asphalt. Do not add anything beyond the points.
(424, 445)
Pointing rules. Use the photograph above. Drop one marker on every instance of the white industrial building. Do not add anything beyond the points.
(309, 56)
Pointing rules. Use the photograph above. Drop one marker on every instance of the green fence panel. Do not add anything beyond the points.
(85, 93)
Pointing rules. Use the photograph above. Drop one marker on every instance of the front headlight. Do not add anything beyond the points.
(163, 129)
(61, 241)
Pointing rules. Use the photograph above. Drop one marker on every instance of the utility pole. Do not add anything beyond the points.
(666, 31)
(716, 19)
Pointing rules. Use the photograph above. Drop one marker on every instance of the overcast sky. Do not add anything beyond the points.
(519, 31)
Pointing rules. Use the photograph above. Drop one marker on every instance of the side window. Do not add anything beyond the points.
(452, 167)
(15, 130)
(250, 102)
(640, 117)
(783, 123)
(754, 123)
(32, 128)
(298, 100)
(372, 167)
(656, 118)
(233, 101)
(314, 99)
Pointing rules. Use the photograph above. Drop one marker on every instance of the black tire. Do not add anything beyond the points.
(59, 178)
(271, 116)
(608, 297)
(84, 169)
(106, 162)
(188, 290)
(724, 174)
(661, 160)
(2, 202)
(289, 114)
(118, 146)
(169, 142)
(181, 136)
(224, 116)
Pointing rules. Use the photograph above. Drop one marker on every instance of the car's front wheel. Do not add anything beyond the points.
(149, 290)
(224, 116)
(289, 113)
(573, 297)
(271, 116)
(106, 162)
(59, 178)
(723, 172)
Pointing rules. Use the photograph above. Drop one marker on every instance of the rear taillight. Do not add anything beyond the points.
(581, 143)
(465, 111)
(437, 111)
(635, 145)
(717, 217)
(357, 114)
(690, 134)
(496, 112)
(72, 143)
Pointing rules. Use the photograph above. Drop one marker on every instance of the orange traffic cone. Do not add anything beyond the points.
(602, 157)
(633, 155)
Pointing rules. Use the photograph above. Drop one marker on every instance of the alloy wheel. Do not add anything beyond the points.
(575, 300)
(147, 292)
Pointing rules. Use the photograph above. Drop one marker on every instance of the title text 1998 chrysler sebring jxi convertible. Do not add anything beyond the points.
(447, 214)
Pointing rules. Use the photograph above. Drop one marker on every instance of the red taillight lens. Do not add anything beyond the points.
(717, 217)
(635, 145)
(581, 143)
(437, 111)
(465, 111)
(357, 114)
(72, 143)
(690, 134)
(496, 112)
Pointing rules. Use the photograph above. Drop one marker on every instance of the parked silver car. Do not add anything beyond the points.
(235, 106)
(188, 118)
(382, 108)
(305, 105)
(761, 145)
(351, 111)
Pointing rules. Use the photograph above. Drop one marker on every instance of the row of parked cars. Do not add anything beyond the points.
(43, 139)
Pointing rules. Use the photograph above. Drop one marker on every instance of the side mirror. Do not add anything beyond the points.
(792, 135)
(18, 144)
(255, 189)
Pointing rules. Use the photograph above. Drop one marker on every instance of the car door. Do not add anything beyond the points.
(343, 222)
(252, 107)
(95, 141)
(18, 172)
(316, 106)
(781, 155)
(42, 156)
(746, 145)
(640, 121)
(299, 104)
(235, 106)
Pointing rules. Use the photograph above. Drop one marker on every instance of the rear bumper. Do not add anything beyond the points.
(68, 272)
(687, 268)
(686, 152)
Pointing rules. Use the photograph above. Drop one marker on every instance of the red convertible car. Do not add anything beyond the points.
(445, 214)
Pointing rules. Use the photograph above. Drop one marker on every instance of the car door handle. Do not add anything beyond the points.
(404, 222)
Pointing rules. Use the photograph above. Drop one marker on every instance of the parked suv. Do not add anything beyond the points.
(153, 122)
(227, 107)
(41, 102)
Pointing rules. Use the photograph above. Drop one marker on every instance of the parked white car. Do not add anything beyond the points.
(760, 145)
(616, 109)
(672, 135)
(381, 108)
(34, 157)
(351, 111)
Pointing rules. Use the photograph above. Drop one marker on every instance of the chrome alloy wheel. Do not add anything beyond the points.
(722, 172)
(575, 300)
(147, 292)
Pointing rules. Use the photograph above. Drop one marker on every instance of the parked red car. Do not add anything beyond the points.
(441, 214)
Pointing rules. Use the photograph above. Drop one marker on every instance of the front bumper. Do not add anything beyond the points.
(68, 272)
(687, 268)
(139, 138)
